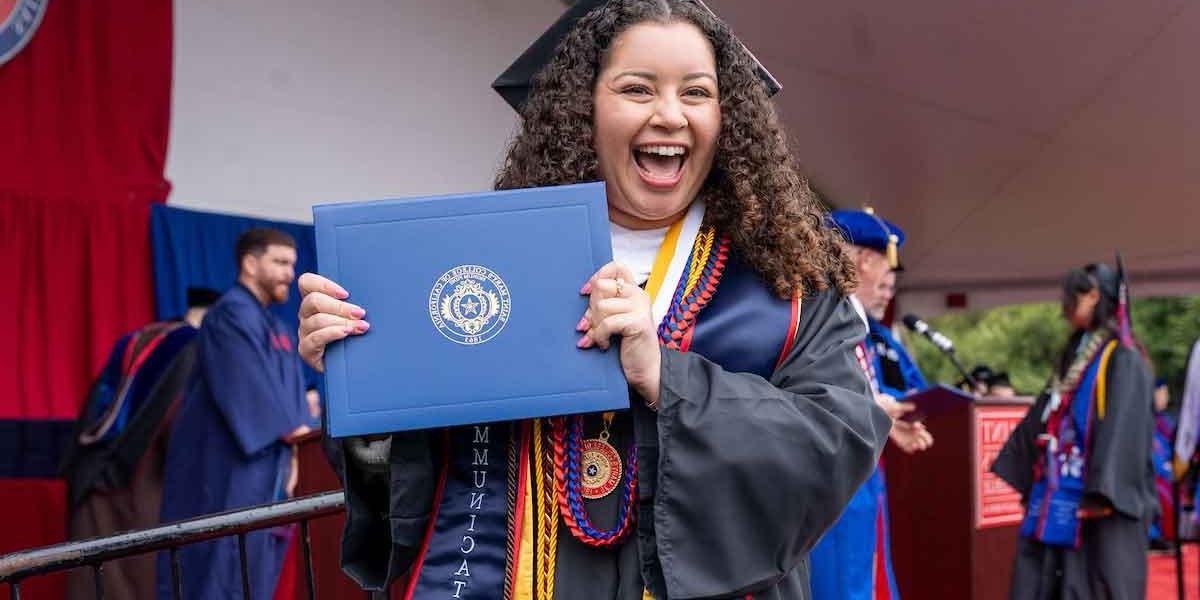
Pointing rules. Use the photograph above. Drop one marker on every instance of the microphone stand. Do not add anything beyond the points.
(922, 329)
(957, 365)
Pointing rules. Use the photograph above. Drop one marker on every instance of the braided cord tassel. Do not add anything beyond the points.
(514, 473)
(560, 476)
(550, 516)
(570, 500)
(700, 255)
(689, 302)
(547, 515)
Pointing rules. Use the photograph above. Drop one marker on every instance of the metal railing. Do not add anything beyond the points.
(18, 566)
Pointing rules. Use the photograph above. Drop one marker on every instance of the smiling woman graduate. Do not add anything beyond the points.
(750, 425)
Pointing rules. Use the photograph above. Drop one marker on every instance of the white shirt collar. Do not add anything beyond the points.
(858, 308)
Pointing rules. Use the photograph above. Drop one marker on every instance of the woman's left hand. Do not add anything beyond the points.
(618, 307)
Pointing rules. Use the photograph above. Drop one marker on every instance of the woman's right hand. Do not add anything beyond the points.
(325, 317)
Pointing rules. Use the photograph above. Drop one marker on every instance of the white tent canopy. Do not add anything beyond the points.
(1011, 140)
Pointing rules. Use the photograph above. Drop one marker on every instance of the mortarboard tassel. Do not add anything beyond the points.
(1124, 319)
(893, 240)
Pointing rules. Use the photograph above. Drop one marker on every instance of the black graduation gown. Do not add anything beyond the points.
(114, 483)
(1111, 560)
(738, 476)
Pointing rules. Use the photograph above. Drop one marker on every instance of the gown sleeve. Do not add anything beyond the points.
(1120, 468)
(389, 500)
(740, 476)
(237, 369)
(1015, 462)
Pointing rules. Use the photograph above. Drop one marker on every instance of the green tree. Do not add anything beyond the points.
(1025, 340)
(1168, 327)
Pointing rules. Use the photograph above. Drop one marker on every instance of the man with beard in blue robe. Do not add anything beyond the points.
(231, 446)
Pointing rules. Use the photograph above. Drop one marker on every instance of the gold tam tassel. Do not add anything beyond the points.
(893, 251)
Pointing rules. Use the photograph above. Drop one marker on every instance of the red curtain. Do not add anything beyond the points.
(85, 117)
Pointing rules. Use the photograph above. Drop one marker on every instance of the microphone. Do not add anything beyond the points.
(943, 343)
(918, 326)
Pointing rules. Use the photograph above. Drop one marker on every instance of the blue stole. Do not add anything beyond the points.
(1052, 517)
(745, 328)
(466, 554)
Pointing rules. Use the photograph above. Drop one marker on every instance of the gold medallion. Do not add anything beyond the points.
(601, 469)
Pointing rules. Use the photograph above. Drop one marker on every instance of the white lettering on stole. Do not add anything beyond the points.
(463, 570)
(475, 503)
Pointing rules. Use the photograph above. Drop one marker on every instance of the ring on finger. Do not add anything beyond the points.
(620, 286)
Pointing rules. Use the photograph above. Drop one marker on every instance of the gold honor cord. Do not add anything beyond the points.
(544, 490)
(1102, 379)
(546, 509)
(699, 258)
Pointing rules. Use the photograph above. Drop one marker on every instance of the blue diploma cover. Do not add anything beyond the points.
(473, 301)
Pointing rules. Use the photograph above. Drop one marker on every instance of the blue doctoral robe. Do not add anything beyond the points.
(845, 563)
(1163, 528)
(225, 451)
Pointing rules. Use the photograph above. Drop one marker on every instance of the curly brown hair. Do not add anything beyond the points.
(753, 193)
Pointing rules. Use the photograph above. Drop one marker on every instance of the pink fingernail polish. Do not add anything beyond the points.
(363, 326)
(582, 325)
(357, 313)
(586, 289)
(583, 342)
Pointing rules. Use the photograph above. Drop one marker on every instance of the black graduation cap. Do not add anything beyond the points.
(514, 83)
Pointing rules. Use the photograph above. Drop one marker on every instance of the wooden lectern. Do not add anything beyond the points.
(953, 523)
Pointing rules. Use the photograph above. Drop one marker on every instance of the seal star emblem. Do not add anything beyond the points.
(470, 306)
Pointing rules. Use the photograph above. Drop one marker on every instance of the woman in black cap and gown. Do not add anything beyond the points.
(750, 425)
(1081, 458)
